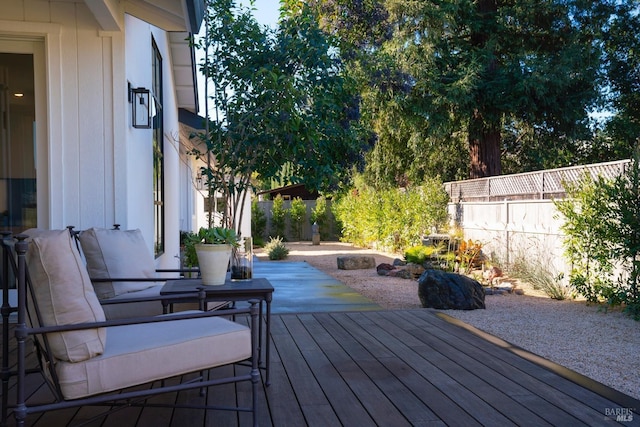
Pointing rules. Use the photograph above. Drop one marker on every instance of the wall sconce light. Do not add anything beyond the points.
(199, 182)
(140, 99)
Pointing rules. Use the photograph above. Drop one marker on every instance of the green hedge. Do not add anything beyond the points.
(391, 219)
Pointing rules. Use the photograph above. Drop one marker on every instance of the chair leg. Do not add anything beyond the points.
(255, 371)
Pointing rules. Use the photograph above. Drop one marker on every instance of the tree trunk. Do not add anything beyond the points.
(484, 126)
(484, 148)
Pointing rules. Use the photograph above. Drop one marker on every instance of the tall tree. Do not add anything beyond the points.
(280, 98)
(474, 68)
(622, 44)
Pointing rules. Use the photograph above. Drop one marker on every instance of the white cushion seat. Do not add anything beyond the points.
(141, 353)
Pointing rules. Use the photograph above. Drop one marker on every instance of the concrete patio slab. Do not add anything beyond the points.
(301, 288)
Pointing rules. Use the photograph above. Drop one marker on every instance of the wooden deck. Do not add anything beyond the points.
(383, 368)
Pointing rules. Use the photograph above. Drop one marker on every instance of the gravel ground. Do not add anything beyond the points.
(602, 346)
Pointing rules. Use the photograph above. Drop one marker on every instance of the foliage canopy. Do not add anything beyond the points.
(281, 97)
(511, 81)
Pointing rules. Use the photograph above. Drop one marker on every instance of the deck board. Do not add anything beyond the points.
(400, 367)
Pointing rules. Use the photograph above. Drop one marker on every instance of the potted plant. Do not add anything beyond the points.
(212, 247)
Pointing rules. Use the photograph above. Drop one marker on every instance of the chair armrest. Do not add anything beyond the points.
(140, 320)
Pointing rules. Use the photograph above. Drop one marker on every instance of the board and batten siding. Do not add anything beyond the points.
(93, 168)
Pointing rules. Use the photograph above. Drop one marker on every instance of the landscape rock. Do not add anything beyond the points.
(415, 270)
(402, 273)
(443, 290)
(399, 263)
(492, 273)
(384, 269)
(356, 262)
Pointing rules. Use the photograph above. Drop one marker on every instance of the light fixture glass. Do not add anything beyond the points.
(141, 111)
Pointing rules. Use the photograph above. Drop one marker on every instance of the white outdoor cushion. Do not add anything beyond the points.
(138, 354)
(117, 254)
(64, 294)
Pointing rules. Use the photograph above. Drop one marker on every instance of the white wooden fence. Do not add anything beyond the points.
(513, 216)
(329, 231)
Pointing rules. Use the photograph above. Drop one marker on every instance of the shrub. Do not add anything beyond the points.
(319, 216)
(278, 215)
(276, 250)
(468, 255)
(258, 223)
(419, 254)
(602, 230)
(189, 256)
(297, 213)
(393, 219)
(541, 278)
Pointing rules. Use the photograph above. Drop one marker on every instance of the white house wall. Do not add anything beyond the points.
(96, 169)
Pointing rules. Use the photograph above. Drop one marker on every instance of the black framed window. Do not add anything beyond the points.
(158, 151)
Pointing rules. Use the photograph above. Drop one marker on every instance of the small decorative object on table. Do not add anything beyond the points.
(242, 260)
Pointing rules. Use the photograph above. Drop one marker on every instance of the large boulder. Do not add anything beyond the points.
(356, 262)
(443, 290)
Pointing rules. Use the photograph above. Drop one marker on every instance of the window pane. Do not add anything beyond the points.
(158, 155)
(17, 142)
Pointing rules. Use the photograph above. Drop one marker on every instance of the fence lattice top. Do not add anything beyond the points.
(531, 185)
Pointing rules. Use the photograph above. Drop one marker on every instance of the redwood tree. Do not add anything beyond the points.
(477, 69)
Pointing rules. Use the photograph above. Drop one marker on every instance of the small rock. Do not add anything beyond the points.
(399, 263)
(384, 269)
(401, 273)
(415, 269)
(492, 273)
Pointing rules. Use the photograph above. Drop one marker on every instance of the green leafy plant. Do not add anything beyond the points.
(468, 254)
(541, 277)
(392, 219)
(276, 249)
(278, 217)
(258, 223)
(297, 213)
(189, 256)
(420, 253)
(278, 94)
(213, 235)
(319, 215)
(217, 236)
(602, 231)
(585, 211)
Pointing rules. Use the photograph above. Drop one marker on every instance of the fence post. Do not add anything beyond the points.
(506, 232)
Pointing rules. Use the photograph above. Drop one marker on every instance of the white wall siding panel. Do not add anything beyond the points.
(94, 169)
(139, 167)
(65, 146)
(170, 259)
(91, 103)
(13, 10)
(118, 131)
(37, 10)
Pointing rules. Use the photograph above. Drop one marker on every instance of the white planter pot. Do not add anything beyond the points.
(213, 261)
